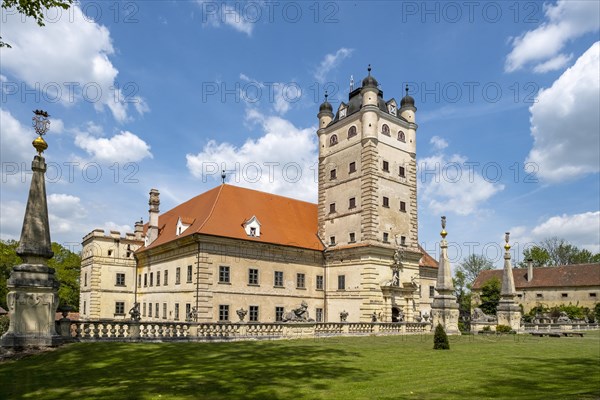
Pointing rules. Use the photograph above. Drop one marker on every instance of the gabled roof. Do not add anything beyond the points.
(223, 210)
(562, 276)
(427, 260)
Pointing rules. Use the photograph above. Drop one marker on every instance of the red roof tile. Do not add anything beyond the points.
(562, 276)
(223, 210)
(427, 260)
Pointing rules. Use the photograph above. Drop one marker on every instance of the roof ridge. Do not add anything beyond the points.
(272, 194)
(212, 209)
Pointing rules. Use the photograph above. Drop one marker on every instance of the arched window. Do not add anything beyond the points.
(401, 136)
(351, 131)
(333, 140)
(385, 130)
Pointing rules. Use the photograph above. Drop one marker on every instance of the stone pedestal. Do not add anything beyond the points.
(509, 313)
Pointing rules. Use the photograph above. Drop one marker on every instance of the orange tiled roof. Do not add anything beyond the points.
(223, 210)
(427, 260)
(562, 276)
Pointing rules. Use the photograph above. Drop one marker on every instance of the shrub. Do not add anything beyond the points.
(487, 328)
(4, 322)
(503, 329)
(440, 339)
(597, 311)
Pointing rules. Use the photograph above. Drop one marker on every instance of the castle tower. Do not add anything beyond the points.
(508, 312)
(367, 203)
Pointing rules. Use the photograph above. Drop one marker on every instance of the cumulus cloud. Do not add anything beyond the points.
(330, 62)
(279, 95)
(12, 213)
(67, 60)
(122, 147)
(282, 161)
(447, 184)
(218, 14)
(15, 140)
(566, 20)
(565, 122)
(578, 229)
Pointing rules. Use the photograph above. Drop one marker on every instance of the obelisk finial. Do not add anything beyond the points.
(41, 123)
(443, 232)
(506, 239)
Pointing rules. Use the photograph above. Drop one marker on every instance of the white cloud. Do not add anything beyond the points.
(565, 124)
(122, 147)
(554, 64)
(68, 60)
(330, 62)
(217, 14)
(580, 230)
(11, 214)
(447, 184)
(438, 143)
(15, 140)
(567, 20)
(279, 95)
(281, 161)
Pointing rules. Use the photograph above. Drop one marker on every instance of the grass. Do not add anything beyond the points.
(508, 367)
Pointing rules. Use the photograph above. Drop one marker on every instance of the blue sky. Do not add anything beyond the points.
(164, 94)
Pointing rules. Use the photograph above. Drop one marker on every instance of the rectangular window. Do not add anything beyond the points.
(150, 310)
(539, 295)
(252, 276)
(223, 274)
(352, 167)
(176, 312)
(189, 274)
(332, 240)
(157, 310)
(188, 311)
(144, 310)
(331, 208)
(319, 314)
(278, 314)
(592, 294)
(352, 203)
(352, 237)
(386, 237)
(166, 280)
(278, 279)
(403, 240)
(564, 295)
(84, 304)
(177, 275)
(253, 313)
(403, 206)
(120, 279)
(341, 282)
(300, 281)
(140, 280)
(85, 280)
(386, 201)
(319, 282)
(151, 278)
(431, 291)
(157, 278)
(386, 166)
(164, 310)
(333, 174)
(402, 172)
(119, 308)
(145, 280)
(223, 312)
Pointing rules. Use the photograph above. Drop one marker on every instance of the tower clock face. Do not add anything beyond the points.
(392, 109)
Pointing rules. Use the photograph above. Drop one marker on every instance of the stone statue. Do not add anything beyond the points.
(241, 314)
(479, 316)
(135, 312)
(192, 315)
(563, 318)
(343, 316)
(299, 314)
(374, 317)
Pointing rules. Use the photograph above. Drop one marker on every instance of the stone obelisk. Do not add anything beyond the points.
(33, 289)
(508, 312)
(444, 309)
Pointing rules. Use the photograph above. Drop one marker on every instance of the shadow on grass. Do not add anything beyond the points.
(240, 370)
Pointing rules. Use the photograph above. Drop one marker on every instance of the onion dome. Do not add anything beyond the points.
(325, 107)
(370, 81)
(407, 100)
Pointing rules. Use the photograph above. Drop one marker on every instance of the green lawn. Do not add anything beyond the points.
(509, 367)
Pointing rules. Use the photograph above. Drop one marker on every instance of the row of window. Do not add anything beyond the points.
(563, 295)
(165, 277)
(254, 313)
(352, 239)
(253, 278)
(352, 204)
(385, 167)
(385, 130)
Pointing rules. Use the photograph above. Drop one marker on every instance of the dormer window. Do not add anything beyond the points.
(252, 227)
(343, 111)
(182, 224)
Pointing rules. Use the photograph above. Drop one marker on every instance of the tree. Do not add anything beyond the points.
(462, 292)
(66, 263)
(557, 251)
(440, 339)
(490, 296)
(34, 9)
(472, 266)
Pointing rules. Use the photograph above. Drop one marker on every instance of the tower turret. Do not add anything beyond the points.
(407, 107)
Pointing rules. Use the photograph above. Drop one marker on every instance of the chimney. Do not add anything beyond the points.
(529, 270)
(139, 229)
(154, 202)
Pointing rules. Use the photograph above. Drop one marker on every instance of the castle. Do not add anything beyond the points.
(353, 256)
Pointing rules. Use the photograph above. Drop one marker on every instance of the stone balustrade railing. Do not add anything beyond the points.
(108, 330)
(477, 326)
